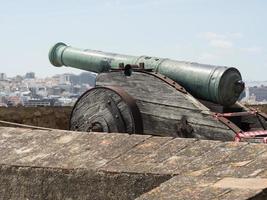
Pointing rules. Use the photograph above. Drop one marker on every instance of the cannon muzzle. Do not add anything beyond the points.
(219, 84)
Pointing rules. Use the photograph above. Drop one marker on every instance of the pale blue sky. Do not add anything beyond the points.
(223, 32)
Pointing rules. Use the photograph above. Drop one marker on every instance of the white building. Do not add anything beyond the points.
(3, 77)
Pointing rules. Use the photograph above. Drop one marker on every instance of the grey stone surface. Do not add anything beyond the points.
(18, 182)
(43, 164)
(50, 117)
(191, 187)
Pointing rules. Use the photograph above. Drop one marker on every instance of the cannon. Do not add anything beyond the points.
(159, 96)
(219, 84)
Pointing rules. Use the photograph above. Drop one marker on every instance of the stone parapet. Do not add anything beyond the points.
(56, 164)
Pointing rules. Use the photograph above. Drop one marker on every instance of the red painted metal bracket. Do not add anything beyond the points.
(239, 133)
(251, 134)
(236, 114)
(262, 114)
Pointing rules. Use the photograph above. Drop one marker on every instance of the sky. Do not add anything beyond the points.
(220, 32)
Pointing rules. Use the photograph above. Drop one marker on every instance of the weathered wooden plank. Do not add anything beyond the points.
(212, 133)
(176, 113)
(155, 125)
(146, 87)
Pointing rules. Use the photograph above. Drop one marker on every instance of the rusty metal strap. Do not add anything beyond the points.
(260, 113)
(264, 115)
(236, 114)
(229, 124)
(165, 79)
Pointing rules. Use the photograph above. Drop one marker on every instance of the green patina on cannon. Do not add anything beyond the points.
(221, 85)
(159, 96)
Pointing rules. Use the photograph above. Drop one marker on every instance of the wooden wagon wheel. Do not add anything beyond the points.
(106, 109)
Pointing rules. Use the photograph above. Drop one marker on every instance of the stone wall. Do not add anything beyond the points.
(50, 117)
(57, 164)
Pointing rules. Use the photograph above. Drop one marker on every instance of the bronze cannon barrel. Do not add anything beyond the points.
(219, 84)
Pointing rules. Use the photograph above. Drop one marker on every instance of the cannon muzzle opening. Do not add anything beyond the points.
(55, 53)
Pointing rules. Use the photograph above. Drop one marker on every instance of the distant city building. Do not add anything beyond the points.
(76, 89)
(84, 78)
(30, 75)
(88, 78)
(13, 101)
(18, 78)
(3, 99)
(39, 102)
(41, 91)
(260, 93)
(256, 94)
(247, 93)
(3, 105)
(59, 90)
(65, 78)
(3, 77)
